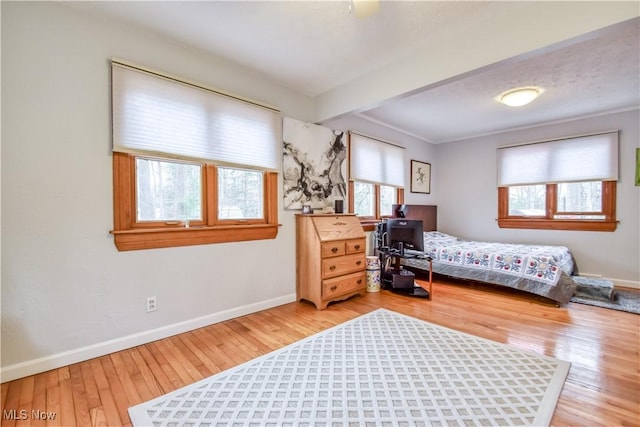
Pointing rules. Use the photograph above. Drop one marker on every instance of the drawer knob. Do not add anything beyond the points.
(359, 281)
(358, 262)
(334, 249)
(333, 267)
(334, 287)
(357, 247)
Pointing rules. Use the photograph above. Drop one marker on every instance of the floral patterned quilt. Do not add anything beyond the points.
(542, 270)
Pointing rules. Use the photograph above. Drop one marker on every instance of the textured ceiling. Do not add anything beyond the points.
(314, 47)
(601, 74)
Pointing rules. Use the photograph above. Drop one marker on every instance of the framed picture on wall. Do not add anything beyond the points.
(420, 177)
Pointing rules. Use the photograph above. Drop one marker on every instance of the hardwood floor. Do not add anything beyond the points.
(603, 386)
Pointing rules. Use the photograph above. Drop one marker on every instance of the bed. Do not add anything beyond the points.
(542, 270)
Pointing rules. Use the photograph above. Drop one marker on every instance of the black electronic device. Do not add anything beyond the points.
(405, 234)
(403, 282)
(380, 234)
(402, 279)
(401, 211)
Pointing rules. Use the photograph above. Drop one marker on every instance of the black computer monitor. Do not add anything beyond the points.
(405, 234)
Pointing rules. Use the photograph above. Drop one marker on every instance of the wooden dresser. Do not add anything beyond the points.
(330, 252)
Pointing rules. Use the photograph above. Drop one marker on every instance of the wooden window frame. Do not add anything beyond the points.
(369, 222)
(132, 235)
(548, 222)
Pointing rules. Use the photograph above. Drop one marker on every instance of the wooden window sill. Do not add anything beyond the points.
(152, 238)
(558, 224)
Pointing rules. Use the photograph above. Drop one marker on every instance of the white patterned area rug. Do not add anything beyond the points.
(380, 369)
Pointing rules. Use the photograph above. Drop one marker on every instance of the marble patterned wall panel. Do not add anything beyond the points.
(314, 165)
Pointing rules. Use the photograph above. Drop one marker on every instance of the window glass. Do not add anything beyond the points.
(168, 190)
(576, 199)
(387, 200)
(240, 193)
(527, 200)
(364, 199)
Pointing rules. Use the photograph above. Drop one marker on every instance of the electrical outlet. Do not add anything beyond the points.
(151, 304)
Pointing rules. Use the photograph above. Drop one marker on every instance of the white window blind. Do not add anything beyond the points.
(154, 114)
(584, 158)
(376, 161)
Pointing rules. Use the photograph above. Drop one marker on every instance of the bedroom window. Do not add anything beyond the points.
(364, 197)
(567, 184)
(168, 191)
(193, 203)
(579, 200)
(374, 201)
(388, 197)
(376, 177)
(527, 200)
(240, 194)
(190, 165)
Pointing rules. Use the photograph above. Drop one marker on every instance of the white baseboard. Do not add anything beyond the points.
(617, 283)
(35, 366)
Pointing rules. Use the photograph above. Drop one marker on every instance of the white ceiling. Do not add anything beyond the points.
(316, 47)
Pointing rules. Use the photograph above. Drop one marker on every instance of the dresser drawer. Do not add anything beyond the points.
(344, 284)
(338, 266)
(329, 249)
(355, 246)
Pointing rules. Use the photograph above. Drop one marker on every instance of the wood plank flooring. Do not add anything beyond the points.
(603, 386)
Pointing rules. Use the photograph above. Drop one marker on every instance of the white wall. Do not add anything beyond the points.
(67, 293)
(468, 206)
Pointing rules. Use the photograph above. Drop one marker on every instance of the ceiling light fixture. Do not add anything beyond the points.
(364, 8)
(519, 97)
